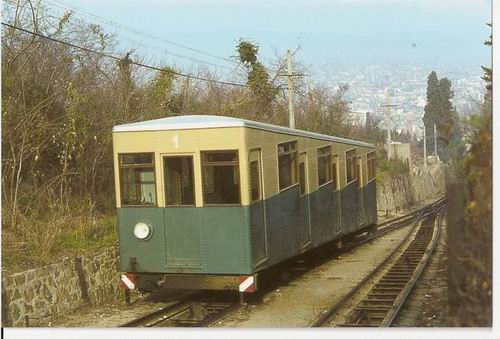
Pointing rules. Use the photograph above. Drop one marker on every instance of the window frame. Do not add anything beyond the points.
(120, 173)
(170, 155)
(296, 152)
(345, 167)
(373, 170)
(306, 174)
(335, 162)
(359, 171)
(329, 167)
(225, 163)
(250, 183)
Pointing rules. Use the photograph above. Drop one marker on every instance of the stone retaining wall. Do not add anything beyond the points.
(428, 183)
(405, 190)
(101, 276)
(36, 296)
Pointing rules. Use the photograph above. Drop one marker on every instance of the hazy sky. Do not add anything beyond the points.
(331, 33)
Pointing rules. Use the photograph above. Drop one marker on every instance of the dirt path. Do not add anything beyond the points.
(301, 301)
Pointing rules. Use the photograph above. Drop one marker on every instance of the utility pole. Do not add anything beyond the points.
(435, 141)
(425, 149)
(389, 123)
(389, 127)
(291, 117)
(289, 74)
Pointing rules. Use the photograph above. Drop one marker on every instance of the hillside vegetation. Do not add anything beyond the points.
(60, 103)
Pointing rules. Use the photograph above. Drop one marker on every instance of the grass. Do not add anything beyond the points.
(37, 240)
(87, 238)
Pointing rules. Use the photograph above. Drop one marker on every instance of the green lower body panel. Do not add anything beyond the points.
(186, 240)
(295, 224)
(245, 239)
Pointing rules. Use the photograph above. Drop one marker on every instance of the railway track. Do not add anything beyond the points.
(206, 308)
(201, 311)
(392, 225)
(377, 299)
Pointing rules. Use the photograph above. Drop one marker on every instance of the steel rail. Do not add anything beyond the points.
(187, 313)
(421, 209)
(325, 317)
(153, 316)
(400, 300)
(421, 215)
(396, 223)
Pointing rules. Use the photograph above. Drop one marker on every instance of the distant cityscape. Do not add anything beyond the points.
(405, 87)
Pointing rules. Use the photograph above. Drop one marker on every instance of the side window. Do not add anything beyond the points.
(254, 181)
(179, 180)
(324, 165)
(221, 177)
(371, 165)
(137, 179)
(350, 165)
(287, 164)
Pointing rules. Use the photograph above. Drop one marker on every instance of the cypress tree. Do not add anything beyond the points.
(431, 108)
(448, 120)
(440, 111)
(368, 124)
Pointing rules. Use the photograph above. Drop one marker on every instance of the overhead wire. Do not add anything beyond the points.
(176, 55)
(138, 32)
(141, 33)
(190, 76)
(123, 27)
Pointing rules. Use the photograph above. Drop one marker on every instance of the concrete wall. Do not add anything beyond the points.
(47, 292)
(405, 190)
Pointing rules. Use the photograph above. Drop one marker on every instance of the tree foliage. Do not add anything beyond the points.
(259, 82)
(59, 105)
(478, 165)
(162, 91)
(488, 72)
(440, 111)
(474, 289)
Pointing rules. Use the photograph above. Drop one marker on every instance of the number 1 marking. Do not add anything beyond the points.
(175, 140)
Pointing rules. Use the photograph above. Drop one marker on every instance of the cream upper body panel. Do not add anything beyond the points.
(268, 142)
(179, 142)
(189, 135)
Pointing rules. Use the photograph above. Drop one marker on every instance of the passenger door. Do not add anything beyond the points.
(305, 216)
(257, 207)
(180, 217)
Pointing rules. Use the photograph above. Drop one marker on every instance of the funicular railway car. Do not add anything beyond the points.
(207, 202)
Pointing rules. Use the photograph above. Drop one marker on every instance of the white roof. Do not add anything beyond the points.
(218, 121)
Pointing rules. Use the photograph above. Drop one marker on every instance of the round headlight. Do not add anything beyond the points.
(142, 231)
